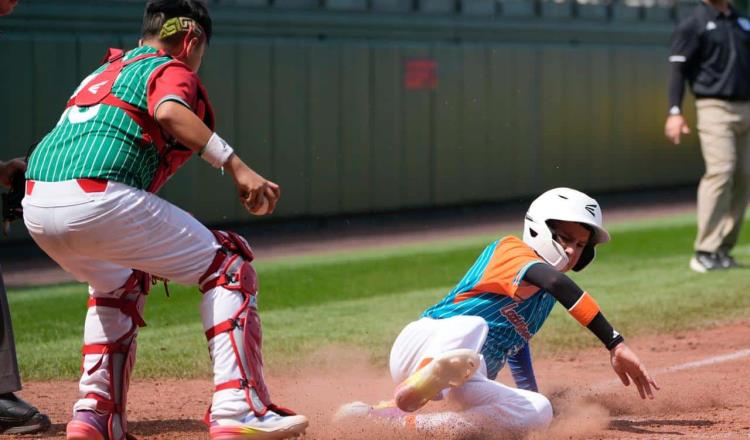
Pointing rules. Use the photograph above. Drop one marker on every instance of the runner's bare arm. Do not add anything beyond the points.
(584, 309)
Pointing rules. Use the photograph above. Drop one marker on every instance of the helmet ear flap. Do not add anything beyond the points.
(587, 256)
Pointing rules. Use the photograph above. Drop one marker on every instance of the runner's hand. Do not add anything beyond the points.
(627, 365)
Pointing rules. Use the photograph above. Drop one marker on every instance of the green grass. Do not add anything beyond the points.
(362, 300)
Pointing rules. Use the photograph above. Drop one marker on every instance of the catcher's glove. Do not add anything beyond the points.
(12, 209)
(11, 201)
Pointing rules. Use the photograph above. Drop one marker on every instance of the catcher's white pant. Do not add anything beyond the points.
(483, 401)
(98, 237)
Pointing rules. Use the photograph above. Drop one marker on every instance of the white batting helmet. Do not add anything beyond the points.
(568, 205)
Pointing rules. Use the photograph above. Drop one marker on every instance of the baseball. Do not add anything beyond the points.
(262, 208)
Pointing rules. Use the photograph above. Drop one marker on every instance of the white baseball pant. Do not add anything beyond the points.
(99, 237)
(484, 401)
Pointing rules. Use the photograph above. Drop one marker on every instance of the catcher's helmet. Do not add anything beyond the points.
(568, 205)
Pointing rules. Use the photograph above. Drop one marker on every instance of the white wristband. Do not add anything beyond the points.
(216, 152)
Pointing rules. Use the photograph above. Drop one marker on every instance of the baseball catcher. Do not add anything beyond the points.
(90, 204)
(460, 344)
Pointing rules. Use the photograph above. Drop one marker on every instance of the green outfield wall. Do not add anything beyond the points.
(359, 106)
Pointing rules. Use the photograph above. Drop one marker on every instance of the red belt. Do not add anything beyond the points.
(87, 185)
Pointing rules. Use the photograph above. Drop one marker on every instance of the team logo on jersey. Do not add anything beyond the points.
(517, 320)
(744, 23)
(95, 88)
(710, 26)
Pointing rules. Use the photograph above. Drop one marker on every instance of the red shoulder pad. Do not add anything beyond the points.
(98, 88)
(112, 55)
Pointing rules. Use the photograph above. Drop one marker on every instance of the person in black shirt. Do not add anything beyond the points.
(16, 416)
(711, 51)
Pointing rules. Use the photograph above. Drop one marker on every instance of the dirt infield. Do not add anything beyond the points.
(703, 375)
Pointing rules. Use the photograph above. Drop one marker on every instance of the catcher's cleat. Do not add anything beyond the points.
(87, 425)
(361, 410)
(267, 427)
(450, 369)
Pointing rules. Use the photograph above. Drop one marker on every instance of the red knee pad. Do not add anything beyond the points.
(231, 270)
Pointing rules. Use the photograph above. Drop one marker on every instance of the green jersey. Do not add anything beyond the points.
(103, 141)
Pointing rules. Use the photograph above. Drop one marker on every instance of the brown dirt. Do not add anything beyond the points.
(707, 402)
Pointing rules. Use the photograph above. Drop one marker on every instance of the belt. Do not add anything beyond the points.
(88, 185)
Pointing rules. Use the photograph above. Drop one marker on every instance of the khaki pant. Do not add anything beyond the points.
(724, 130)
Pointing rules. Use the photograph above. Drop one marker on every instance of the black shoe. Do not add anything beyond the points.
(18, 417)
(703, 262)
(726, 260)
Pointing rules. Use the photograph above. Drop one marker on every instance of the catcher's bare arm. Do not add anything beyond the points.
(190, 131)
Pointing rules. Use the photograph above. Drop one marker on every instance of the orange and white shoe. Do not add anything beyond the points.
(271, 426)
(449, 370)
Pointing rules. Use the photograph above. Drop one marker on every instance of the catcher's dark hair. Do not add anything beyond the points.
(159, 11)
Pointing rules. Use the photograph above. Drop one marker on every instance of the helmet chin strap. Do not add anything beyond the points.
(559, 259)
(550, 250)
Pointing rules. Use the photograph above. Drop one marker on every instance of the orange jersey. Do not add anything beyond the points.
(504, 270)
(494, 289)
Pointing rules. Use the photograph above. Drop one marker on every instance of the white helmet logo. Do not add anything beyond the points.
(563, 204)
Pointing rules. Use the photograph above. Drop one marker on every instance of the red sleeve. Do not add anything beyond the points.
(173, 82)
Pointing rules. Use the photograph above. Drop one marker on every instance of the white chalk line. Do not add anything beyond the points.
(704, 362)
(713, 360)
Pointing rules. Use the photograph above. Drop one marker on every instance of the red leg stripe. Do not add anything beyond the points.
(104, 349)
(129, 308)
(104, 405)
(232, 384)
(105, 302)
(215, 264)
(218, 281)
(222, 327)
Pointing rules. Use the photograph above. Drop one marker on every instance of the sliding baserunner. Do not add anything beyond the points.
(460, 344)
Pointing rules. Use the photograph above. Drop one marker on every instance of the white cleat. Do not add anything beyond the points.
(271, 426)
(449, 370)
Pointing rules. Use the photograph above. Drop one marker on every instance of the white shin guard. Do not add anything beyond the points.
(233, 329)
(109, 350)
(220, 305)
